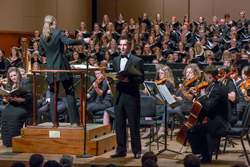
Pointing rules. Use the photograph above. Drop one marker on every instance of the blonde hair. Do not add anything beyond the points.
(169, 57)
(48, 21)
(195, 68)
(201, 48)
(35, 53)
(168, 74)
(224, 53)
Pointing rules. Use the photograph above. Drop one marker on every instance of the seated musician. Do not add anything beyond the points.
(101, 102)
(190, 72)
(242, 89)
(215, 109)
(231, 88)
(166, 78)
(44, 113)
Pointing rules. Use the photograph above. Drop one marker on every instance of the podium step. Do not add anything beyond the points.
(45, 130)
(64, 140)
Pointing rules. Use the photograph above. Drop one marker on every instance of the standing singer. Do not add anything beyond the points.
(52, 47)
(127, 100)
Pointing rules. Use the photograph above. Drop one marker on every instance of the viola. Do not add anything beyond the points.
(162, 81)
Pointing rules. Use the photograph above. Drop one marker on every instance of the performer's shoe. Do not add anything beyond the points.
(117, 155)
(206, 159)
(74, 125)
(138, 155)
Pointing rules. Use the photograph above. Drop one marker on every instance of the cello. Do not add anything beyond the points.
(194, 114)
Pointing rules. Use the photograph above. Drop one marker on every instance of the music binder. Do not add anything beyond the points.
(132, 71)
(15, 92)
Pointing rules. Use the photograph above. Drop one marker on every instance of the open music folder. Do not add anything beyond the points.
(161, 93)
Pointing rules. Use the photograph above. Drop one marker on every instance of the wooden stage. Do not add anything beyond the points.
(165, 159)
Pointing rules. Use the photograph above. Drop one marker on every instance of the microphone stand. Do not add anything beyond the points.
(85, 124)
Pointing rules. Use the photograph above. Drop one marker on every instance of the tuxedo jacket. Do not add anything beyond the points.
(131, 89)
(53, 50)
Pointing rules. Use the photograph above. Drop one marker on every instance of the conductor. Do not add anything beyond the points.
(127, 100)
(52, 47)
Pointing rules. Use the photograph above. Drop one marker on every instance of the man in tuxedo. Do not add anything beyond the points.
(204, 137)
(127, 100)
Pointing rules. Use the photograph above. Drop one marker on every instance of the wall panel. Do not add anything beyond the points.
(135, 8)
(71, 13)
(232, 7)
(201, 8)
(177, 8)
(106, 7)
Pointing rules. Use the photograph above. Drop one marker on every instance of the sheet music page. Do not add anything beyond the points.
(166, 94)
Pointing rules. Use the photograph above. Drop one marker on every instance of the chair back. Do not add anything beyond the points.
(246, 117)
(148, 106)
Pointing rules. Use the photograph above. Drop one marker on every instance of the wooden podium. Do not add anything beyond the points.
(63, 139)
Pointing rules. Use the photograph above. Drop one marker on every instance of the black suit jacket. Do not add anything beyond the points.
(215, 107)
(53, 49)
(130, 89)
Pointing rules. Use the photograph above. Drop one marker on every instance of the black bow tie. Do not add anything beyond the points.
(124, 56)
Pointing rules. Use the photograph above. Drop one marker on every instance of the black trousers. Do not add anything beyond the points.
(204, 138)
(69, 90)
(132, 112)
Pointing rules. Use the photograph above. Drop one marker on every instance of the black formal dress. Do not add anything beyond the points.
(185, 105)
(15, 114)
(215, 108)
(101, 102)
(53, 49)
(233, 114)
(127, 105)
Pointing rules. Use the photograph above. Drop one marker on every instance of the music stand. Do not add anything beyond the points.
(162, 96)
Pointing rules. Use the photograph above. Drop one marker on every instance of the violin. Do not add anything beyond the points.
(245, 84)
(162, 81)
(198, 87)
(234, 71)
(97, 81)
(187, 83)
(3, 81)
(221, 74)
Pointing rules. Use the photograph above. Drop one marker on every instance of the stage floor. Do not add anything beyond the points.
(165, 159)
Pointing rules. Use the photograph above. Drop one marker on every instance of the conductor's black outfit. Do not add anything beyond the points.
(215, 108)
(127, 105)
(53, 49)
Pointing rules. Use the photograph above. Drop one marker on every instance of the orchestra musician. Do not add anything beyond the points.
(102, 100)
(242, 89)
(232, 96)
(190, 72)
(52, 47)
(214, 105)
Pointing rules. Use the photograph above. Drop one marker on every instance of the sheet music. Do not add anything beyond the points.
(160, 93)
(166, 94)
